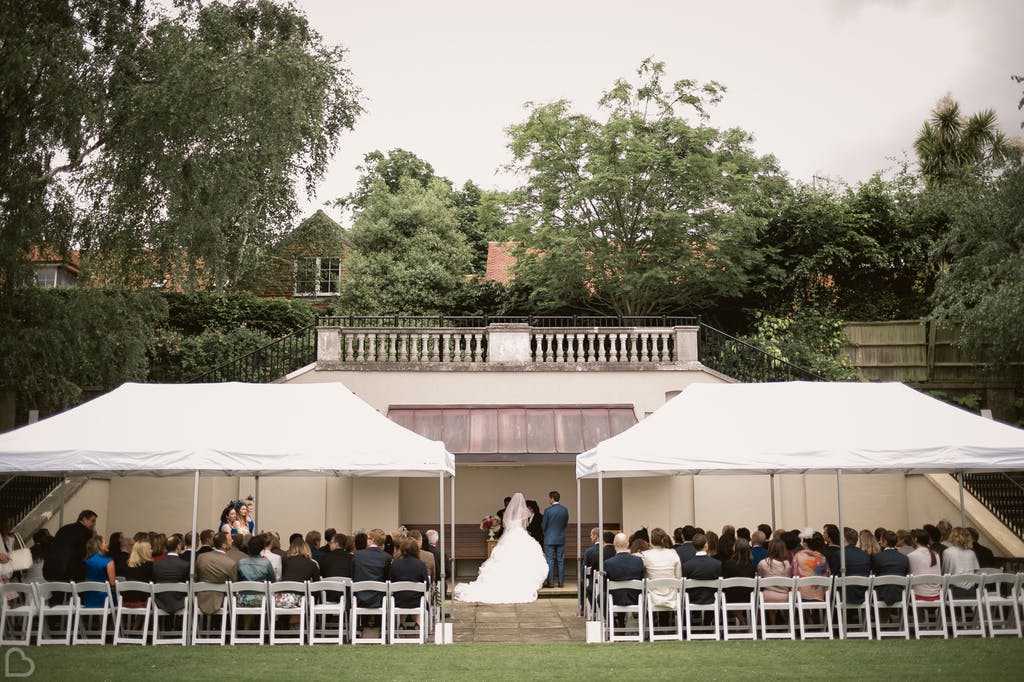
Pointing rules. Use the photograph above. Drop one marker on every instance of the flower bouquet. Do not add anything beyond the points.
(491, 524)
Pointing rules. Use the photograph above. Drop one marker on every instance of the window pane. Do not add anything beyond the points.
(330, 272)
(305, 276)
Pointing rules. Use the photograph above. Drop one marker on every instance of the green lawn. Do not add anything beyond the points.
(982, 660)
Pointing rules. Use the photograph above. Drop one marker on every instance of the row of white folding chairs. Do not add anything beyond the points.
(324, 613)
(993, 609)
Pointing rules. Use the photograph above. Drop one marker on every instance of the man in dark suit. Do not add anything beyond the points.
(534, 525)
(66, 557)
(336, 562)
(556, 518)
(371, 563)
(620, 567)
(986, 559)
(684, 543)
(858, 562)
(218, 568)
(890, 562)
(702, 567)
(501, 517)
(173, 569)
(832, 547)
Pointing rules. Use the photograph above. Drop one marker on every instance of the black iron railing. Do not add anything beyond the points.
(19, 495)
(1002, 494)
(543, 321)
(267, 363)
(744, 361)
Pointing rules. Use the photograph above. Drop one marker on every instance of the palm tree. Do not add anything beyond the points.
(949, 143)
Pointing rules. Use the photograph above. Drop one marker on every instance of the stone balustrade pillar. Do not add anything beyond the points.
(686, 344)
(328, 344)
(508, 343)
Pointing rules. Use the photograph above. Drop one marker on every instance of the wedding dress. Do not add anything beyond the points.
(516, 568)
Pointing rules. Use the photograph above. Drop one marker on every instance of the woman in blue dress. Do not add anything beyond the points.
(98, 567)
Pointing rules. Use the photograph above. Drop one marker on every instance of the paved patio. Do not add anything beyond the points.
(549, 619)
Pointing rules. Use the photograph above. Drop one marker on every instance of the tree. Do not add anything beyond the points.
(982, 288)
(950, 143)
(164, 145)
(640, 213)
(408, 256)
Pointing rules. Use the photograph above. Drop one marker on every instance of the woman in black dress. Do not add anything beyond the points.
(408, 567)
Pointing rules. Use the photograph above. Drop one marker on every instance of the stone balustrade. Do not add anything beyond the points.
(507, 344)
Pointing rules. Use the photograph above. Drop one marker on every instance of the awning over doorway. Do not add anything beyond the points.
(515, 433)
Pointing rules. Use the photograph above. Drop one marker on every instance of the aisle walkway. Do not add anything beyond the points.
(545, 620)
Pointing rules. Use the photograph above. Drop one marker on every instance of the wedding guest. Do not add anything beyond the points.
(945, 529)
(173, 569)
(766, 531)
(925, 561)
(275, 545)
(702, 566)
(139, 568)
(661, 561)
(986, 559)
(313, 542)
(120, 549)
(431, 537)
(639, 546)
(425, 556)
(775, 565)
(218, 568)
(228, 517)
(684, 548)
(250, 516)
(867, 542)
(810, 561)
(623, 566)
(98, 568)
(255, 568)
(959, 559)
(832, 548)
(269, 540)
(592, 550)
(67, 554)
(534, 527)
(741, 565)
(299, 566)
(858, 563)
(408, 567)
(235, 545)
(158, 543)
(501, 518)
(726, 547)
(41, 540)
(758, 547)
(906, 541)
(371, 563)
(328, 534)
(744, 533)
(890, 561)
(712, 547)
(337, 562)
(935, 538)
(360, 541)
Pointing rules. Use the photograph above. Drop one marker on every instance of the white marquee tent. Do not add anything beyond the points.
(226, 429)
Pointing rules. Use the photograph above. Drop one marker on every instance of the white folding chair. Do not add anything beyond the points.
(1001, 598)
(82, 633)
(626, 633)
(418, 635)
(929, 615)
(17, 614)
(244, 590)
(327, 607)
(208, 633)
(690, 608)
(61, 611)
(175, 636)
(823, 608)
(776, 631)
(356, 635)
(588, 581)
(966, 613)
(745, 612)
(883, 611)
(123, 632)
(846, 608)
(664, 632)
(278, 610)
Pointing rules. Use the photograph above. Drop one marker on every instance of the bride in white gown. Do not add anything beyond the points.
(516, 568)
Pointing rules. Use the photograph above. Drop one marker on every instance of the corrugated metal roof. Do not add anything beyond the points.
(515, 429)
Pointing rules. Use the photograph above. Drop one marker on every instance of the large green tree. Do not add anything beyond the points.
(643, 211)
(162, 143)
(951, 143)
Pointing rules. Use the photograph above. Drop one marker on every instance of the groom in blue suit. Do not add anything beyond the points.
(556, 518)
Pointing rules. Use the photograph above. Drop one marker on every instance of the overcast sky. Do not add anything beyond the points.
(832, 88)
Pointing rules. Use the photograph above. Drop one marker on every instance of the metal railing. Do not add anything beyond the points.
(744, 361)
(267, 363)
(19, 495)
(1002, 494)
(545, 321)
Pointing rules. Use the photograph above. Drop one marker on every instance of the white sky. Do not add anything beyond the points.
(831, 87)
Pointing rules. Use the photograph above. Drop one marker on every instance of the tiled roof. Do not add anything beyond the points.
(499, 261)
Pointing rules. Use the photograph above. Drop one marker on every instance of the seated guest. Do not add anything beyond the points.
(360, 541)
(726, 546)
(372, 564)
(138, 568)
(775, 565)
(426, 556)
(712, 547)
(173, 569)
(809, 561)
(408, 567)
(758, 547)
(215, 567)
(986, 559)
(270, 541)
(702, 566)
(337, 562)
(743, 532)
(867, 542)
(592, 550)
(205, 545)
(66, 557)
(99, 568)
(925, 561)
(298, 566)
(766, 531)
(832, 548)
(328, 534)
(935, 538)
(958, 559)
(890, 561)
(275, 545)
(684, 547)
(906, 541)
(235, 551)
(158, 545)
(120, 549)
(41, 540)
(661, 561)
(857, 563)
(623, 566)
(639, 546)
(741, 565)
(313, 542)
(255, 568)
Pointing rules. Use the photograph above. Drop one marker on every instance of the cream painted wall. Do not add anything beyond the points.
(94, 495)
(645, 390)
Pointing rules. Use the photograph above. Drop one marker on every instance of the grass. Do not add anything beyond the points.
(980, 659)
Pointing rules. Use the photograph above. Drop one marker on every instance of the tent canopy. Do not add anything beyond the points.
(805, 427)
(227, 428)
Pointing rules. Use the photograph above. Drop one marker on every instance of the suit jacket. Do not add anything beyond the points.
(66, 557)
(218, 568)
(890, 562)
(686, 551)
(556, 518)
(371, 563)
(858, 562)
(336, 564)
(624, 566)
(299, 569)
(536, 530)
(236, 555)
(173, 569)
(409, 569)
(702, 567)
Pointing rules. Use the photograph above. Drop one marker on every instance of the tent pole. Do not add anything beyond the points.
(580, 587)
(842, 538)
(963, 509)
(441, 579)
(452, 553)
(771, 482)
(255, 503)
(600, 534)
(193, 549)
(63, 486)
